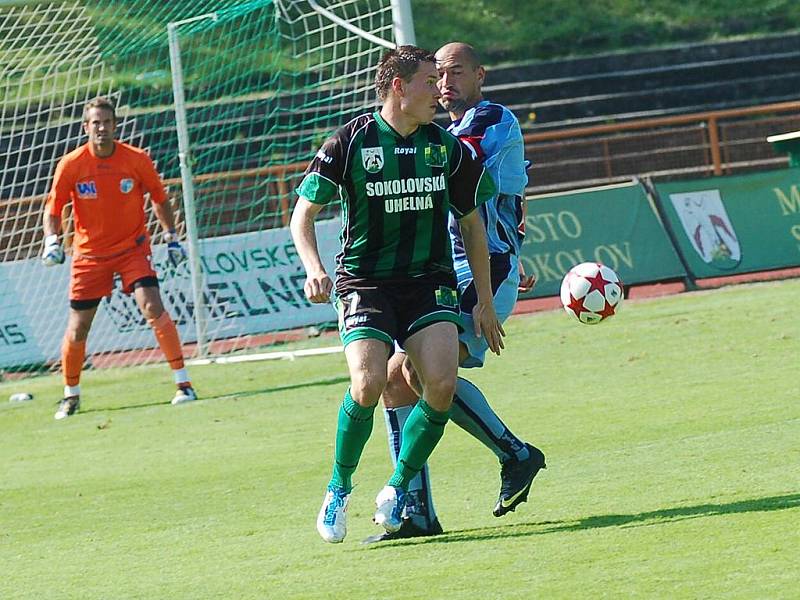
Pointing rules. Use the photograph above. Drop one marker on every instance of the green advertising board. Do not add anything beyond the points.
(738, 224)
(615, 225)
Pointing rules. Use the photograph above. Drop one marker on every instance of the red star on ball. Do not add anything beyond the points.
(576, 305)
(608, 311)
(597, 283)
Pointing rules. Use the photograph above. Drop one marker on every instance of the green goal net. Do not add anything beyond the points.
(263, 83)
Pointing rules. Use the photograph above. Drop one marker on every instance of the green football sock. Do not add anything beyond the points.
(352, 433)
(422, 431)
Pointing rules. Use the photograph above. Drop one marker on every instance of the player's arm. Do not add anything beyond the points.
(60, 193)
(470, 186)
(162, 209)
(526, 282)
(51, 225)
(320, 186)
(165, 215)
(318, 284)
(473, 232)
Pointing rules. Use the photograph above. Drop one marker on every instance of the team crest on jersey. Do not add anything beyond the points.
(435, 155)
(87, 189)
(125, 185)
(372, 159)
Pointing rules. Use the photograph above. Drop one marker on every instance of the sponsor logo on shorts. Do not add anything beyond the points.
(125, 185)
(355, 321)
(87, 189)
(446, 296)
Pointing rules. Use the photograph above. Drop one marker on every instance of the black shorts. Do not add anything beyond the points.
(390, 311)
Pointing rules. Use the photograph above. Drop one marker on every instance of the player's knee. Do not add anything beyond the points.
(397, 392)
(152, 310)
(439, 392)
(77, 332)
(366, 389)
(78, 329)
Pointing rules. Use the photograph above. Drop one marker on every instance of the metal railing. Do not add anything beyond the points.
(684, 146)
(692, 145)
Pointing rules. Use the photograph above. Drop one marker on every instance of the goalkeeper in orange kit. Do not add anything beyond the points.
(106, 180)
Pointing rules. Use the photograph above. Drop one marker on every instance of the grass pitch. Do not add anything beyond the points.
(670, 432)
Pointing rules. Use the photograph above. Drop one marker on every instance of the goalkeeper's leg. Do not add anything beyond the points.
(73, 354)
(149, 300)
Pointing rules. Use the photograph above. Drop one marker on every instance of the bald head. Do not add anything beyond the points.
(464, 53)
(461, 76)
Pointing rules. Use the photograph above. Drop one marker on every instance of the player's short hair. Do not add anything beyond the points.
(99, 102)
(402, 62)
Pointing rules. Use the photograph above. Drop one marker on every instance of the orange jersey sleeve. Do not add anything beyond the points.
(61, 189)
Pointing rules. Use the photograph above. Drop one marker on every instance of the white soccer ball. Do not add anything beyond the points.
(591, 292)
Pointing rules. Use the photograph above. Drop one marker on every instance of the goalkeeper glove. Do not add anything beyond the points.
(175, 252)
(53, 253)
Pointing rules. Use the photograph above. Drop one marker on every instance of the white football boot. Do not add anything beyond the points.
(67, 407)
(390, 504)
(332, 517)
(184, 394)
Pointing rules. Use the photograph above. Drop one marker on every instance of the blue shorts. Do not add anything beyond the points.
(505, 281)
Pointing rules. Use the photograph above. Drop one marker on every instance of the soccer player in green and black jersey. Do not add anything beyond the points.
(396, 176)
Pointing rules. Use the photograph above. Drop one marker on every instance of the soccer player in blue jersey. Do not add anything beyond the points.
(494, 133)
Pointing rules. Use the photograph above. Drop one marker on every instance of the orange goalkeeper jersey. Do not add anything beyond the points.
(107, 196)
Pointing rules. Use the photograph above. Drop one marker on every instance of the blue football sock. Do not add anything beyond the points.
(419, 502)
(472, 413)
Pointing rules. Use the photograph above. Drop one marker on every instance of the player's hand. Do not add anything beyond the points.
(318, 287)
(526, 282)
(488, 325)
(53, 253)
(176, 253)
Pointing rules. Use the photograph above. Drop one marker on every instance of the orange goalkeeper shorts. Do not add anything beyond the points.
(92, 278)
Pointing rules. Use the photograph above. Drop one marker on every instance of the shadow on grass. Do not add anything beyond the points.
(654, 517)
(234, 395)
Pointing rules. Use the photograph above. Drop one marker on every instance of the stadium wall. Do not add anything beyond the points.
(616, 225)
(686, 230)
(738, 224)
(673, 231)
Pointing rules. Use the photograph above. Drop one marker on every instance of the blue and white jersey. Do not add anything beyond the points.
(493, 132)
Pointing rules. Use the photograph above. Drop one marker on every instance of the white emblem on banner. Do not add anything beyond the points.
(708, 227)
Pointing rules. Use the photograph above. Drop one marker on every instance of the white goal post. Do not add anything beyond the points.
(263, 84)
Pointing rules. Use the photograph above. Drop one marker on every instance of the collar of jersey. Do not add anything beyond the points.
(386, 128)
(457, 122)
(90, 149)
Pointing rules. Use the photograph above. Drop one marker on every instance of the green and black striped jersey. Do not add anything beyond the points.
(395, 194)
